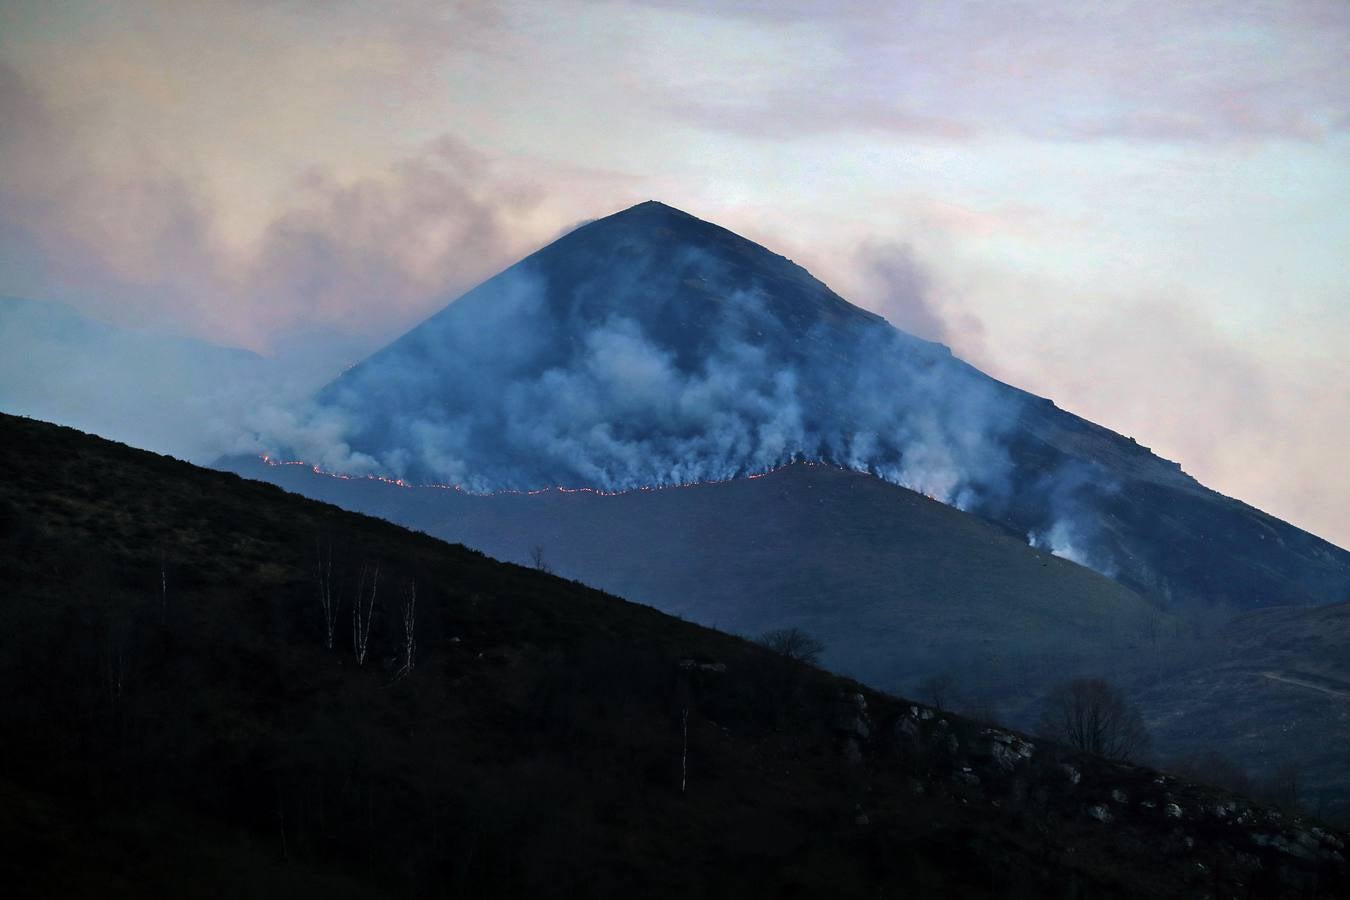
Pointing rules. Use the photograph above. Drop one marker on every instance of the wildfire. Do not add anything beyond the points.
(559, 489)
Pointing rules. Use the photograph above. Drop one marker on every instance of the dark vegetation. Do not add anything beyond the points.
(175, 724)
(1091, 715)
(794, 644)
(901, 589)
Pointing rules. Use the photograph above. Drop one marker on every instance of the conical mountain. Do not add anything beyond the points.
(651, 348)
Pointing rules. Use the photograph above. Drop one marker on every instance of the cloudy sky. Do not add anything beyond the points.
(1141, 210)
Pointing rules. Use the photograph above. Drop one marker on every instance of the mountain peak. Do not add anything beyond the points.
(653, 348)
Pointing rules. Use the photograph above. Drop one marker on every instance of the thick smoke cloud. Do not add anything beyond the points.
(140, 241)
(521, 386)
(1074, 529)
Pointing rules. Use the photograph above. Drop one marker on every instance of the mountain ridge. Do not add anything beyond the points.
(650, 348)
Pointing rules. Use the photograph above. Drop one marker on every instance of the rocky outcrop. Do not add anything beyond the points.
(1221, 844)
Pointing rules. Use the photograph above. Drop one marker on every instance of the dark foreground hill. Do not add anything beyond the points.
(651, 348)
(177, 726)
(901, 588)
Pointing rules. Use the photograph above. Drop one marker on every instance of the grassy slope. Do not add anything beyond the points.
(897, 585)
(1226, 699)
(201, 741)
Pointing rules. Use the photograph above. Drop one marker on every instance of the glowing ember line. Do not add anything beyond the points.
(560, 489)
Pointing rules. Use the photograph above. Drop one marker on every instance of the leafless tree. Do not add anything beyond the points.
(409, 627)
(794, 644)
(1090, 714)
(537, 559)
(363, 610)
(684, 753)
(683, 694)
(938, 690)
(115, 662)
(330, 591)
(163, 585)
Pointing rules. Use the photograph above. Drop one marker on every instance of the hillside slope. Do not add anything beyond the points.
(651, 348)
(896, 585)
(176, 725)
(1272, 692)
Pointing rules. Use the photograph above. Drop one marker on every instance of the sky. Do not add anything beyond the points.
(1138, 209)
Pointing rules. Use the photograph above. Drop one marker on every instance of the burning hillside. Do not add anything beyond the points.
(652, 349)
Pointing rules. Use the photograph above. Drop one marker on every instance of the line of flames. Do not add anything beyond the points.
(560, 489)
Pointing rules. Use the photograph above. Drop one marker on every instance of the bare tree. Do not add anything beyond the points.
(939, 691)
(1089, 714)
(115, 661)
(409, 627)
(163, 585)
(362, 611)
(684, 751)
(683, 694)
(330, 591)
(794, 644)
(538, 560)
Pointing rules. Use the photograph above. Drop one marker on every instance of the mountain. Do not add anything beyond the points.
(182, 720)
(650, 348)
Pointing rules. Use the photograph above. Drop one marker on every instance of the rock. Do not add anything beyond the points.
(908, 729)
(702, 666)
(1070, 773)
(1004, 757)
(1327, 837)
(1006, 750)
(1100, 813)
(850, 716)
(1281, 843)
(1172, 810)
(1119, 796)
(965, 776)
